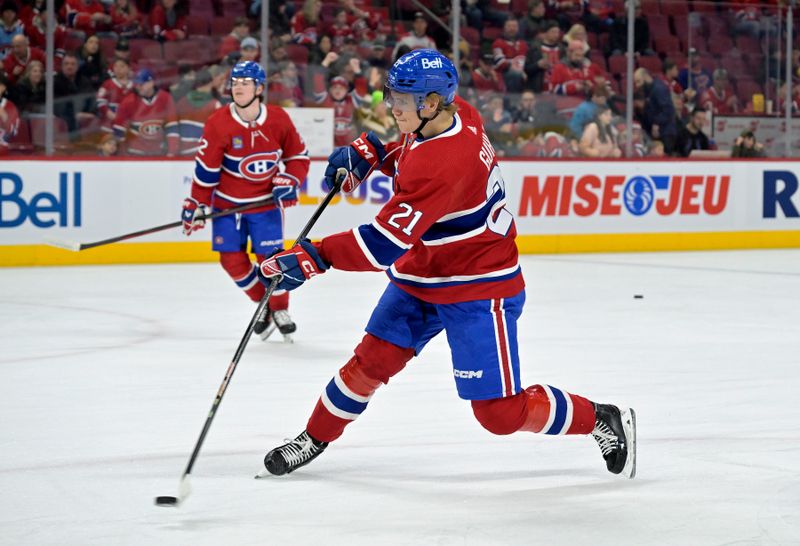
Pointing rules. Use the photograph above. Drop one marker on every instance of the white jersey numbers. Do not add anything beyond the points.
(499, 221)
(407, 211)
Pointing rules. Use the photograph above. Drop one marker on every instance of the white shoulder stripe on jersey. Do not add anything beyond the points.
(206, 167)
(455, 238)
(455, 278)
(367, 254)
(460, 213)
(383, 231)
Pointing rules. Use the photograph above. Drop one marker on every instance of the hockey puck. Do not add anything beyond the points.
(638, 296)
(166, 501)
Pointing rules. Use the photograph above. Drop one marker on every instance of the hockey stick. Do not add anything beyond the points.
(184, 488)
(77, 247)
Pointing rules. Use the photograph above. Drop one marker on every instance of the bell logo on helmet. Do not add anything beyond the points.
(431, 63)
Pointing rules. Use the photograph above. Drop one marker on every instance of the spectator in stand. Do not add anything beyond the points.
(658, 116)
(577, 32)
(146, 120)
(542, 57)
(639, 147)
(694, 76)
(691, 136)
(576, 75)
(344, 102)
(534, 22)
(747, 18)
(479, 12)
(656, 149)
(795, 105)
(112, 91)
(107, 146)
(598, 15)
(10, 26)
(348, 58)
(745, 145)
(29, 93)
(306, 25)
(498, 124)
(92, 65)
(618, 35)
(587, 110)
(287, 88)
(377, 119)
(280, 15)
(74, 95)
(339, 29)
(599, 138)
(186, 81)
(193, 109)
(167, 21)
(233, 41)
(122, 51)
(320, 51)
(88, 16)
(486, 81)
(378, 65)
(418, 37)
(20, 56)
(564, 11)
(126, 20)
(509, 56)
(9, 117)
(535, 116)
(720, 98)
(35, 21)
(249, 50)
(670, 77)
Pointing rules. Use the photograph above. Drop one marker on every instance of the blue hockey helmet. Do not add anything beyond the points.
(249, 70)
(422, 72)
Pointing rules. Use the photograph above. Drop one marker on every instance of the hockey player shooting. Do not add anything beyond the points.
(446, 241)
(238, 163)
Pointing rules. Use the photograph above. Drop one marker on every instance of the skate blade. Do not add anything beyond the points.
(268, 332)
(264, 473)
(287, 338)
(629, 427)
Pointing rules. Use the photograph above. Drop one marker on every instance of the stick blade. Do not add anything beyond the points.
(174, 502)
(60, 243)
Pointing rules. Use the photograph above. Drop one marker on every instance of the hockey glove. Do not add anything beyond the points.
(360, 158)
(284, 191)
(192, 214)
(292, 267)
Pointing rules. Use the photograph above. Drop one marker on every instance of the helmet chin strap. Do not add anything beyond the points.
(424, 121)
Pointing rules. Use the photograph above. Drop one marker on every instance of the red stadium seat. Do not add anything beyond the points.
(650, 6)
(471, 35)
(720, 45)
(665, 43)
(652, 63)
(60, 132)
(107, 46)
(297, 53)
(220, 26)
(197, 24)
(144, 48)
(21, 143)
(677, 8)
(746, 88)
(748, 44)
(617, 64)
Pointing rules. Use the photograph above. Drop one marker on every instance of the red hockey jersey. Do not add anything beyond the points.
(445, 236)
(237, 159)
(109, 97)
(569, 80)
(149, 125)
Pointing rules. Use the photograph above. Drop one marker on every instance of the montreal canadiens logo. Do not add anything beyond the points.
(639, 195)
(259, 167)
(150, 128)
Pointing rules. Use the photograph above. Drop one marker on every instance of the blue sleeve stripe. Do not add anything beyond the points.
(466, 223)
(231, 165)
(384, 250)
(203, 175)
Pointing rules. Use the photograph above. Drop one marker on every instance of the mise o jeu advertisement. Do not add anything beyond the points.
(87, 201)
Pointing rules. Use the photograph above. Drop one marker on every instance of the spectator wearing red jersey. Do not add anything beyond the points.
(9, 117)
(286, 89)
(542, 57)
(339, 29)
(146, 120)
(233, 41)
(36, 19)
(306, 25)
(486, 80)
(194, 109)
(112, 91)
(167, 22)
(509, 56)
(20, 56)
(87, 15)
(576, 75)
(344, 102)
(126, 20)
(720, 98)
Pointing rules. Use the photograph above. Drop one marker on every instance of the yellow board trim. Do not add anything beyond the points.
(142, 253)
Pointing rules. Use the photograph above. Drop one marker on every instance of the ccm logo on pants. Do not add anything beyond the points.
(468, 374)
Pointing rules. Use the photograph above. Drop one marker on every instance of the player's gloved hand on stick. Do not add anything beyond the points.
(359, 158)
(191, 215)
(293, 267)
(284, 191)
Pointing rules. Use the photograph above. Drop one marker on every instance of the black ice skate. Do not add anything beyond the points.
(292, 455)
(285, 324)
(615, 433)
(264, 326)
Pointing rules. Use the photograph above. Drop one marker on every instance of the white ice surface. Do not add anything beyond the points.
(108, 374)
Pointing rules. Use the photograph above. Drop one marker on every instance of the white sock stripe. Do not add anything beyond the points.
(347, 392)
(552, 414)
(334, 410)
(568, 419)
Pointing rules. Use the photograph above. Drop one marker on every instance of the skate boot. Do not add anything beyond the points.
(292, 455)
(264, 326)
(615, 433)
(284, 323)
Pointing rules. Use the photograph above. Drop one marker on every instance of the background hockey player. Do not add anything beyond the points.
(446, 241)
(242, 147)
